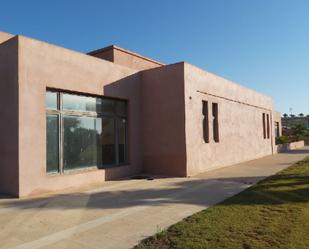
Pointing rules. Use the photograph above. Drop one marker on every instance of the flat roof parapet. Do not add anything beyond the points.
(5, 36)
(125, 57)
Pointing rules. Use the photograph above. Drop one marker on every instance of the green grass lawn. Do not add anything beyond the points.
(272, 214)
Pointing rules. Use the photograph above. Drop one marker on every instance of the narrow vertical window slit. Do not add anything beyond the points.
(264, 125)
(268, 127)
(215, 122)
(205, 122)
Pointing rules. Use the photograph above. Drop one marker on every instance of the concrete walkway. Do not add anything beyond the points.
(121, 213)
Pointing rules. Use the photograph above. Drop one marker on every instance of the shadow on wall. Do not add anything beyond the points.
(277, 189)
(128, 88)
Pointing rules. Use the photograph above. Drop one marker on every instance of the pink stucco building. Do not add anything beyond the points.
(71, 119)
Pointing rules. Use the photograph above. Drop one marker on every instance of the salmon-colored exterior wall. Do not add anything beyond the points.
(42, 66)
(240, 122)
(5, 36)
(165, 131)
(163, 120)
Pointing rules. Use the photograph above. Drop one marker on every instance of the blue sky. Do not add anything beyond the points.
(262, 44)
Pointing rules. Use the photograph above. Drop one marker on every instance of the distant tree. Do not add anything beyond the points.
(286, 115)
(307, 116)
(301, 115)
(299, 131)
(292, 115)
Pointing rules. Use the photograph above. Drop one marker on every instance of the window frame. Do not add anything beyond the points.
(205, 112)
(58, 155)
(215, 123)
(60, 112)
(277, 129)
(264, 125)
(268, 126)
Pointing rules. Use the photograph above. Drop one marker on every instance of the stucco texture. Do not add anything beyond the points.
(165, 118)
(43, 66)
(240, 122)
(163, 121)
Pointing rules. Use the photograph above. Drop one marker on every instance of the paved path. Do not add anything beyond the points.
(121, 213)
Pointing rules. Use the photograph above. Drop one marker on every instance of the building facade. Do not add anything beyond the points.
(73, 119)
(278, 124)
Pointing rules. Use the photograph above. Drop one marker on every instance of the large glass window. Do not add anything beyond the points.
(109, 141)
(108, 106)
(81, 103)
(122, 139)
(81, 142)
(121, 108)
(52, 152)
(51, 100)
(85, 132)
